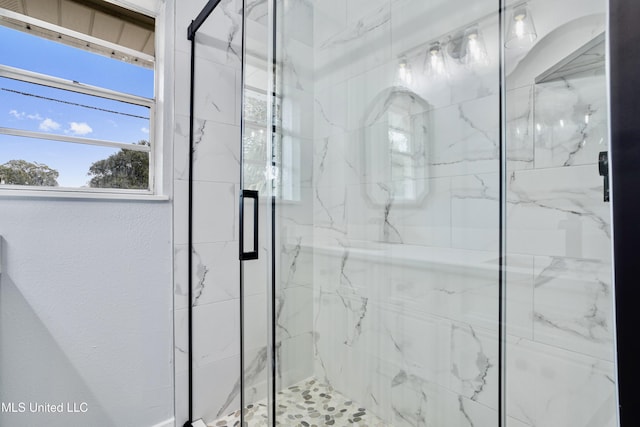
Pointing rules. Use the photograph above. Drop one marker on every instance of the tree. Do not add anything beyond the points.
(22, 172)
(124, 169)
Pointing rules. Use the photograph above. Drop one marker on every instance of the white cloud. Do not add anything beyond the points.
(35, 116)
(79, 128)
(144, 130)
(16, 114)
(48, 125)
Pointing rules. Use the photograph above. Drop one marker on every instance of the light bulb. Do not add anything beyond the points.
(519, 26)
(474, 50)
(436, 59)
(404, 73)
(521, 31)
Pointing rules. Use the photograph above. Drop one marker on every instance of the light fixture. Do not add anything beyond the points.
(520, 31)
(435, 60)
(474, 47)
(404, 73)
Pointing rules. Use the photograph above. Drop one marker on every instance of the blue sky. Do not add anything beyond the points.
(20, 111)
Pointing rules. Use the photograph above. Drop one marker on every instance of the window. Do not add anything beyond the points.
(77, 100)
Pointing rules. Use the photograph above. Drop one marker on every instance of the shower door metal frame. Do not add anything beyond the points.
(624, 96)
(192, 30)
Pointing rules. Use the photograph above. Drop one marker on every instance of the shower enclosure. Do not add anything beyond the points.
(424, 207)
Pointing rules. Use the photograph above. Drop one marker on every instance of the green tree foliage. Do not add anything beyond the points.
(124, 169)
(21, 172)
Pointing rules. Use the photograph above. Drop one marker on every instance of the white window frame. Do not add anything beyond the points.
(155, 178)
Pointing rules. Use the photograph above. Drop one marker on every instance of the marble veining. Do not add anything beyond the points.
(473, 380)
(201, 271)
(363, 26)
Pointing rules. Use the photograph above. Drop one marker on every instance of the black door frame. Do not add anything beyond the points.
(624, 81)
(195, 25)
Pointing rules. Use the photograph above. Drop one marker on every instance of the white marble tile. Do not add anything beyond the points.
(214, 212)
(475, 209)
(180, 212)
(558, 212)
(181, 396)
(257, 11)
(256, 320)
(362, 45)
(474, 363)
(573, 303)
(296, 359)
(182, 84)
(181, 147)
(427, 223)
(414, 340)
(217, 331)
(519, 294)
(180, 276)
(297, 21)
(569, 389)
(329, 18)
(181, 340)
(219, 39)
(216, 272)
(216, 151)
(216, 388)
(296, 263)
(294, 311)
(466, 138)
(417, 401)
(217, 86)
(520, 128)
(571, 119)
(330, 110)
(423, 222)
(255, 373)
(368, 94)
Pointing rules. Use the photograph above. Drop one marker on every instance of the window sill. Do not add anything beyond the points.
(6, 193)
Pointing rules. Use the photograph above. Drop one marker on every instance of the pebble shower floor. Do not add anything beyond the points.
(309, 404)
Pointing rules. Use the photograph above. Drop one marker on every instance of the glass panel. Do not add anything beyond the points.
(215, 267)
(560, 344)
(38, 108)
(387, 259)
(257, 327)
(33, 53)
(29, 161)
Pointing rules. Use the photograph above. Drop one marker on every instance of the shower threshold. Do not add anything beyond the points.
(308, 403)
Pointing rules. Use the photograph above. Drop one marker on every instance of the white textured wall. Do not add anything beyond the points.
(85, 310)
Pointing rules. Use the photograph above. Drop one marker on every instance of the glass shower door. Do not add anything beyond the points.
(387, 213)
(560, 349)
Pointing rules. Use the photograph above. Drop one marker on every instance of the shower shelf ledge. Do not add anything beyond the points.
(415, 256)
